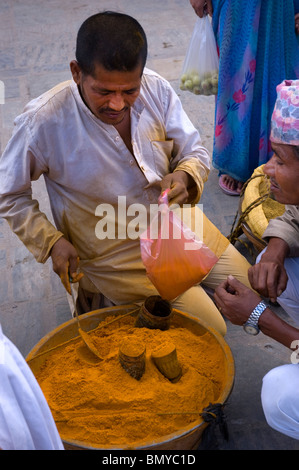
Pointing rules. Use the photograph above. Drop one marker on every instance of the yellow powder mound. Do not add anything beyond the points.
(103, 406)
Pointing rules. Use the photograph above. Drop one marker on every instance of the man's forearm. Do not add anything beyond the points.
(277, 249)
(274, 327)
(29, 224)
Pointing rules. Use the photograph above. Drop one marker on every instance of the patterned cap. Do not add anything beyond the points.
(285, 117)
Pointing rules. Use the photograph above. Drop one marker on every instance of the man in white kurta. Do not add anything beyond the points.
(87, 164)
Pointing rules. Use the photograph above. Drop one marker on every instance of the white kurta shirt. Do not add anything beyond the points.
(86, 163)
(26, 422)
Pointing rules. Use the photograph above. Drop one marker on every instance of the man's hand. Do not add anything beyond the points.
(179, 183)
(235, 300)
(202, 6)
(65, 262)
(269, 277)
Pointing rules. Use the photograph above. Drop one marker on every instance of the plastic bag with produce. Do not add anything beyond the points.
(200, 69)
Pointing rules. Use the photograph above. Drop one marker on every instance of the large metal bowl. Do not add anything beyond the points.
(187, 438)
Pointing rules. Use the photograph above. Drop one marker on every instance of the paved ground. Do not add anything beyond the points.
(37, 43)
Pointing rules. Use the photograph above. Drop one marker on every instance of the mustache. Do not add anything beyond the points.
(273, 181)
(109, 110)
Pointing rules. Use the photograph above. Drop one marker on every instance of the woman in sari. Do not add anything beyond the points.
(258, 48)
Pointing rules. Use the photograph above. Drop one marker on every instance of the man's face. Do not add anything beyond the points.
(109, 95)
(283, 171)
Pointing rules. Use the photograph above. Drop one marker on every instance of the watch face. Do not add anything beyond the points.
(251, 330)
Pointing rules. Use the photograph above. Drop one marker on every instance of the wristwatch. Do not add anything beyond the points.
(251, 326)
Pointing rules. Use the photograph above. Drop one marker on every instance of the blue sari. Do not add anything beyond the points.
(258, 49)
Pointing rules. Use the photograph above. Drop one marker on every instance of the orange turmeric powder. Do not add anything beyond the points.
(104, 407)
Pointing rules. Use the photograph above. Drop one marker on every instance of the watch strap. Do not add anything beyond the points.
(255, 315)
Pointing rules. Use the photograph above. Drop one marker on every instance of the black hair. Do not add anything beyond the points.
(114, 40)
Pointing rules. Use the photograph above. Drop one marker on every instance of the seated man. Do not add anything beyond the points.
(114, 136)
(276, 275)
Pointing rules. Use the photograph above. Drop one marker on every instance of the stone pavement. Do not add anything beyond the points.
(37, 43)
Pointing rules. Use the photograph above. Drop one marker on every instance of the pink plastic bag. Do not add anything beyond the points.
(174, 258)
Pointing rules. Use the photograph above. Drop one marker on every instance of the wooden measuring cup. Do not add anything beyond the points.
(131, 356)
(165, 358)
(155, 312)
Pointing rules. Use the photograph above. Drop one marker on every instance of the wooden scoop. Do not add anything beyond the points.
(92, 355)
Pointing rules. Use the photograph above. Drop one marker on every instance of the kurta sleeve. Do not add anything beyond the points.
(287, 228)
(20, 164)
(189, 155)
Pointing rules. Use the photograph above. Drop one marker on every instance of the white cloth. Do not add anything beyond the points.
(280, 399)
(86, 163)
(286, 227)
(26, 422)
(289, 299)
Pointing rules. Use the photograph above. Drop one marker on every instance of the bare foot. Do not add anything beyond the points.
(230, 186)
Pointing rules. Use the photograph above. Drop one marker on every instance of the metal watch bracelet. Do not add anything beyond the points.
(254, 316)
